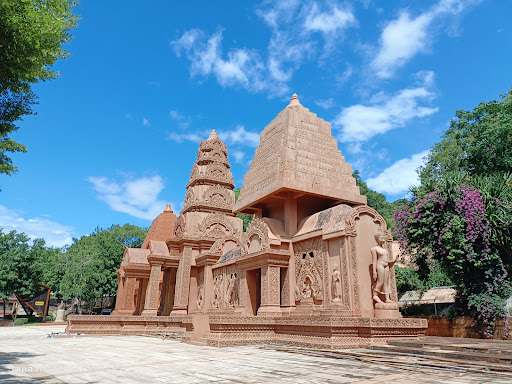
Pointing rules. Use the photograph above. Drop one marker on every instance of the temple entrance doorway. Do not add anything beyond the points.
(254, 288)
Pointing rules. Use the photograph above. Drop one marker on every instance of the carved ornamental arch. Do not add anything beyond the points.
(257, 227)
(218, 246)
(189, 200)
(219, 197)
(216, 225)
(219, 173)
(360, 210)
(179, 227)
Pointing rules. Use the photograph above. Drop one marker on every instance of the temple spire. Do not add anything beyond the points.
(168, 208)
(213, 135)
(294, 100)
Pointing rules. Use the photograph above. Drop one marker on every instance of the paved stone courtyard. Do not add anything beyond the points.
(26, 356)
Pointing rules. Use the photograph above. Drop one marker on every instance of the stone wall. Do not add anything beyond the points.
(463, 327)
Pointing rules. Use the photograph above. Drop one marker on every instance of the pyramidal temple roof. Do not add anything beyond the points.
(297, 152)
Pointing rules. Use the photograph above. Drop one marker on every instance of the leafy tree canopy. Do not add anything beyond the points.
(91, 262)
(32, 35)
(20, 271)
(478, 142)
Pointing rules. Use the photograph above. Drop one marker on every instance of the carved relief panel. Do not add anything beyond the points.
(309, 263)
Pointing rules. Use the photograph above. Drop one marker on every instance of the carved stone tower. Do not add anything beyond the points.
(211, 183)
(297, 170)
(206, 217)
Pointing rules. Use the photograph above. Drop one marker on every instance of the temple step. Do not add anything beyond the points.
(203, 341)
(492, 361)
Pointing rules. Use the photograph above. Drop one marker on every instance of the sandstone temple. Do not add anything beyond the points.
(314, 267)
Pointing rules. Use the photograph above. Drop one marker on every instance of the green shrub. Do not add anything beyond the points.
(21, 321)
(50, 317)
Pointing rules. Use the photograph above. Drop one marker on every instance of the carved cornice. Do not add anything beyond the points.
(269, 257)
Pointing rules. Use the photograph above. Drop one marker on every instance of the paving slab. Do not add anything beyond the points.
(27, 356)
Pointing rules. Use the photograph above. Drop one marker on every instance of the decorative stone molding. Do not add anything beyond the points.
(364, 209)
(179, 227)
(189, 201)
(212, 156)
(213, 144)
(219, 197)
(216, 225)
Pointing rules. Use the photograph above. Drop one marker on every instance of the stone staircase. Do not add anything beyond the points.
(495, 355)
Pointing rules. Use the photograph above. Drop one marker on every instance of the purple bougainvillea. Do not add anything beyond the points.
(450, 225)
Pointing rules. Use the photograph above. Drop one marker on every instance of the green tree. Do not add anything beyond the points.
(32, 35)
(478, 142)
(19, 268)
(246, 219)
(90, 263)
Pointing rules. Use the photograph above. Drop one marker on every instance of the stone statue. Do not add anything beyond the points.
(217, 292)
(336, 283)
(200, 297)
(381, 266)
(230, 291)
(61, 305)
(307, 291)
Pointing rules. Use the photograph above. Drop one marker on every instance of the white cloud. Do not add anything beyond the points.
(175, 115)
(329, 22)
(194, 137)
(238, 155)
(145, 122)
(240, 135)
(242, 67)
(136, 197)
(406, 36)
(362, 122)
(54, 234)
(291, 43)
(326, 104)
(344, 76)
(399, 177)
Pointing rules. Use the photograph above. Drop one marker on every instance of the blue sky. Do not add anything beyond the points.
(116, 135)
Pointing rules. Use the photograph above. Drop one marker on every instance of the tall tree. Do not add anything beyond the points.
(19, 268)
(91, 262)
(32, 35)
(478, 142)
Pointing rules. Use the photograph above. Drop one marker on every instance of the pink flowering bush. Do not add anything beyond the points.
(455, 225)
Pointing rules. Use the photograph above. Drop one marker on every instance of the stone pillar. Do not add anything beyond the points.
(141, 295)
(119, 296)
(182, 284)
(124, 300)
(151, 297)
(270, 291)
(164, 292)
(244, 302)
(288, 284)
